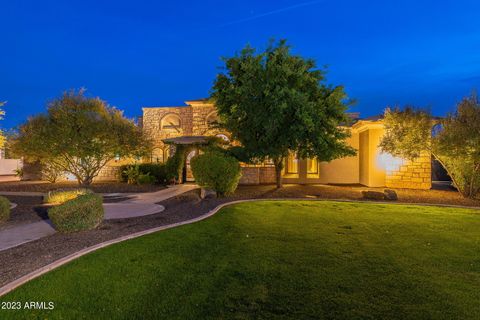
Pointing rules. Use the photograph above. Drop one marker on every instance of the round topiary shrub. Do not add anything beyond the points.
(63, 195)
(82, 213)
(4, 209)
(217, 171)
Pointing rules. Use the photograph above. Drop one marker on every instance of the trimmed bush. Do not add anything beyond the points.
(82, 213)
(63, 195)
(217, 171)
(4, 209)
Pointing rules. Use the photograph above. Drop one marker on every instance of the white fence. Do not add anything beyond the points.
(8, 168)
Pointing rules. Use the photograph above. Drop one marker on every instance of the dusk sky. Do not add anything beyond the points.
(159, 53)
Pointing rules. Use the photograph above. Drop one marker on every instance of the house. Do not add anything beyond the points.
(370, 167)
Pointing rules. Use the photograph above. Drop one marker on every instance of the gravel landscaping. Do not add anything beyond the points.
(100, 187)
(21, 260)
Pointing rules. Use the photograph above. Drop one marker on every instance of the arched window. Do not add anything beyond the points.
(171, 121)
(224, 137)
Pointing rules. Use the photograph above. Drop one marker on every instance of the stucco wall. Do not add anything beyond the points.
(344, 170)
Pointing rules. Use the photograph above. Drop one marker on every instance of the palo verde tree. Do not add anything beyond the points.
(274, 102)
(79, 135)
(454, 140)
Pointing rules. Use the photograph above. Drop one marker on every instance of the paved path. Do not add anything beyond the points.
(137, 205)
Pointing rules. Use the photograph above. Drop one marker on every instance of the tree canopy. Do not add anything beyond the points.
(79, 135)
(274, 102)
(454, 140)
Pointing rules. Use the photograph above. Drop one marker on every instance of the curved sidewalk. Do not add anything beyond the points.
(141, 204)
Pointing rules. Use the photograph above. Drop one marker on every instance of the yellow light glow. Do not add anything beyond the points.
(388, 162)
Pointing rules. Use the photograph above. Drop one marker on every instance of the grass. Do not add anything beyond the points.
(279, 260)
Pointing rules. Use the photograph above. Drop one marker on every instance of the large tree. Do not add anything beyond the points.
(454, 140)
(274, 102)
(79, 135)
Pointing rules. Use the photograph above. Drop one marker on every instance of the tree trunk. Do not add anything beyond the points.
(278, 162)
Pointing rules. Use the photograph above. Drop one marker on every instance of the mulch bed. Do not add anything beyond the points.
(100, 187)
(18, 261)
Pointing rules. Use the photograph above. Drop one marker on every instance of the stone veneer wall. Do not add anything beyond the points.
(257, 175)
(416, 174)
(193, 122)
(108, 173)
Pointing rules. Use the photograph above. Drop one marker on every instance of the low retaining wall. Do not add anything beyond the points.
(257, 175)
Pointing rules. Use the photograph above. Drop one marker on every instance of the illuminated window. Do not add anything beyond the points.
(292, 163)
(312, 166)
(171, 121)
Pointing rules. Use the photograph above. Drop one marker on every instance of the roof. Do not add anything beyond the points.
(187, 140)
(373, 118)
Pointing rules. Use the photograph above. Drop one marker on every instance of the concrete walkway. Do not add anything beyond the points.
(137, 205)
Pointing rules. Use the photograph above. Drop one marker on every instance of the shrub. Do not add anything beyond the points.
(217, 171)
(146, 179)
(156, 170)
(82, 213)
(64, 195)
(132, 173)
(4, 209)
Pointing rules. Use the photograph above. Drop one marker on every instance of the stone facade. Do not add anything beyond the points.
(408, 174)
(108, 173)
(195, 119)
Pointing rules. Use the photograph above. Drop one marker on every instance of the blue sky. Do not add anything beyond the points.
(146, 53)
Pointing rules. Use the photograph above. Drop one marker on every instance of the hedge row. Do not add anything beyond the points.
(144, 173)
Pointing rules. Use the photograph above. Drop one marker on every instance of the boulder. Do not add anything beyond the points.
(207, 193)
(373, 195)
(390, 194)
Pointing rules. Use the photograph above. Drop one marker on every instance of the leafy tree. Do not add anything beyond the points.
(275, 102)
(454, 140)
(79, 135)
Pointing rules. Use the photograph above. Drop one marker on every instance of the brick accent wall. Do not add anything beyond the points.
(408, 174)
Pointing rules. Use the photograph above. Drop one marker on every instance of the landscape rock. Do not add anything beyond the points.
(207, 193)
(390, 194)
(373, 195)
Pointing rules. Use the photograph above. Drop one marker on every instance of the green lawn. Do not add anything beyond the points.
(279, 260)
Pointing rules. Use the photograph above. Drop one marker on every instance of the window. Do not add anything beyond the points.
(312, 166)
(160, 155)
(171, 121)
(224, 137)
(292, 164)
